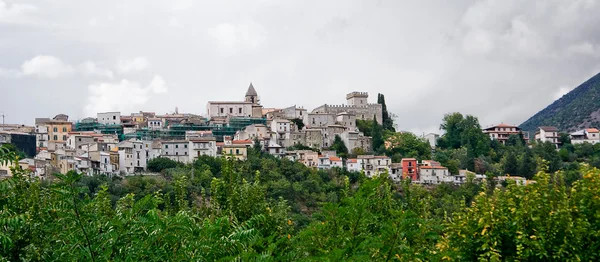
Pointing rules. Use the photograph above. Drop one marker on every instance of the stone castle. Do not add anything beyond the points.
(356, 104)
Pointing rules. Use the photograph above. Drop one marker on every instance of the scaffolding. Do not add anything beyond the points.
(174, 131)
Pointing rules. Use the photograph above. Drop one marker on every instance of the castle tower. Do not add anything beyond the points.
(357, 98)
(251, 95)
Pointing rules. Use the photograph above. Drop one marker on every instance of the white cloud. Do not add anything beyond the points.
(232, 38)
(46, 66)
(477, 42)
(52, 67)
(158, 85)
(132, 65)
(123, 96)
(15, 13)
(9, 73)
(585, 48)
(563, 90)
(90, 68)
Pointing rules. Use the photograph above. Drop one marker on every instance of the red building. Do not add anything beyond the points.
(410, 169)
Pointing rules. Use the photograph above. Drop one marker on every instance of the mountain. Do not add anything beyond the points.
(578, 109)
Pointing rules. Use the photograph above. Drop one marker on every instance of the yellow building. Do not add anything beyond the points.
(235, 148)
(58, 131)
(240, 152)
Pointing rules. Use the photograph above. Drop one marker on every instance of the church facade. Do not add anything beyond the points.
(250, 107)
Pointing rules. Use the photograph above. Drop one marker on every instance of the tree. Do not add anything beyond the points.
(161, 163)
(563, 139)
(298, 122)
(388, 122)
(377, 137)
(365, 126)
(339, 147)
(408, 145)
(528, 164)
(511, 166)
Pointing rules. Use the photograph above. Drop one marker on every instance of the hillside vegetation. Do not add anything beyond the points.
(578, 109)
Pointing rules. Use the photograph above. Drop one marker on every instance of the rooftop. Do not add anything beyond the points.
(251, 91)
(549, 128)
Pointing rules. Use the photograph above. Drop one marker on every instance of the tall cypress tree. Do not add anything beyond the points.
(377, 135)
(388, 122)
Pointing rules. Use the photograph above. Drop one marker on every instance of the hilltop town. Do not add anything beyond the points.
(115, 144)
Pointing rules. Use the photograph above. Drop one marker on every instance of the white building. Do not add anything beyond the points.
(41, 136)
(373, 165)
(229, 108)
(250, 107)
(434, 175)
(155, 123)
(252, 131)
(141, 153)
(275, 149)
(106, 167)
(590, 135)
(177, 150)
(353, 165)
(432, 139)
(547, 134)
(280, 126)
(126, 158)
(109, 118)
(202, 146)
(293, 112)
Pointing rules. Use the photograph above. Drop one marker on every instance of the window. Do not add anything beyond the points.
(221, 110)
(166, 146)
(138, 162)
(55, 137)
(64, 138)
(115, 118)
(176, 146)
(64, 129)
(56, 129)
(80, 139)
(184, 146)
(176, 153)
(237, 151)
(231, 110)
(240, 110)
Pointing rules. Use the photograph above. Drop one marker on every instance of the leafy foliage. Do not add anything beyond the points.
(339, 147)
(161, 163)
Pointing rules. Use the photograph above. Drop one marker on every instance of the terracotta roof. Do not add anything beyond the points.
(352, 160)
(220, 143)
(242, 142)
(408, 159)
(333, 158)
(592, 130)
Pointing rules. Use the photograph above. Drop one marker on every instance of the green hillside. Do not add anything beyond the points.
(578, 109)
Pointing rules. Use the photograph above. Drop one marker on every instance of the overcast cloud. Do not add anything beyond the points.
(501, 60)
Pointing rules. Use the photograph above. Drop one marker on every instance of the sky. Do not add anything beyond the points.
(500, 60)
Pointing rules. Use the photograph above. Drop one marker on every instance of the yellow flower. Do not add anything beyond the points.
(289, 236)
(289, 222)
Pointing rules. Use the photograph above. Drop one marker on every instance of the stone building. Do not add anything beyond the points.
(250, 107)
(356, 104)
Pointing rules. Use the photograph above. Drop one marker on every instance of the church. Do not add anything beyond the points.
(250, 107)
